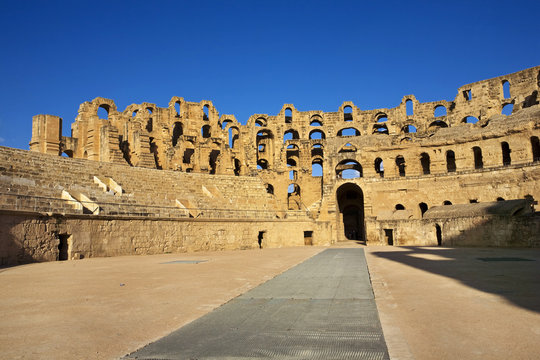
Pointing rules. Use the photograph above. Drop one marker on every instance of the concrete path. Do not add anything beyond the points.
(321, 309)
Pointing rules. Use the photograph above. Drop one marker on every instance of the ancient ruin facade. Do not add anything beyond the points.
(459, 172)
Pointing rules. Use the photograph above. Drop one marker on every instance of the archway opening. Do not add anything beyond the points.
(350, 199)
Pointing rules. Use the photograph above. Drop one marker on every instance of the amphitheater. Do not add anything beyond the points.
(152, 180)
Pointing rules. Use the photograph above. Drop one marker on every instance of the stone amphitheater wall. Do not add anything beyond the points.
(186, 170)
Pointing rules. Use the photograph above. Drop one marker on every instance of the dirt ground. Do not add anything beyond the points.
(447, 303)
(104, 308)
(434, 303)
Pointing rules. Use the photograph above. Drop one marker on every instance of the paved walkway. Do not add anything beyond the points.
(321, 309)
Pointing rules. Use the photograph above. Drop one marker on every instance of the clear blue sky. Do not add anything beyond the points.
(251, 56)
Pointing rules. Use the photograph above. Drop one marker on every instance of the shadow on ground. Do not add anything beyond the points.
(510, 273)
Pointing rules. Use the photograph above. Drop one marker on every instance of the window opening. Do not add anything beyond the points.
(507, 109)
(478, 161)
(425, 162)
(507, 160)
(379, 167)
(288, 116)
(347, 113)
(423, 208)
(440, 110)
(400, 163)
(450, 161)
(409, 107)
(535, 144)
(506, 89)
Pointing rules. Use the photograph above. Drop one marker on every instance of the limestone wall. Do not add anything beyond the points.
(29, 237)
(483, 231)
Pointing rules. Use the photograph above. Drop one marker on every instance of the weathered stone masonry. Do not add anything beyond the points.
(384, 176)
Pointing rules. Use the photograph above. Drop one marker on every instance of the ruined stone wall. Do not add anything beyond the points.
(484, 231)
(30, 237)
(388, 164)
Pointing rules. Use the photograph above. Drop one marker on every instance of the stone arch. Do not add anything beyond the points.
(317, 134)
(350, 212)
(348, 131)
(349, 169)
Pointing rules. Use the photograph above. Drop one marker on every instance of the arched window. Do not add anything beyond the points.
(450, 161)
(225, 123)
(506, 89)
(237, 167)
(177, 108)
(437, 124)
(425, 162)
(348, 132)
(409, 107)
(409, 129)
(507, 109)
(507, 160)
(134, 113)
(447, 202)
(379, 167)
(316, 134)
(290, 135)
(292, 174)
(349, 169)
(234, 134)
(315, 121)
(380, 129)
(400, 163)
(500, 199)
(478, 161)
(317, 150)
(205, 131)
(316, 168)
(270, 189)
(469, 120)
(293, 189)
(400, 207)
(205, 112)
(423, 208)
(103, 112)
(439, 110)
(347, 113)
(177, 132)
(288, 115)
(149, 125)
(535, 144)
(260, 122)
(262, 164)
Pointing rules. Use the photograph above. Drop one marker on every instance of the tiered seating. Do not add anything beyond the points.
(32, 181)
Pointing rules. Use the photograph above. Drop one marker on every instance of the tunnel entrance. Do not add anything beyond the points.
(350, 199)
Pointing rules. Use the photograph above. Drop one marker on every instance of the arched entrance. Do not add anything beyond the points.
(350, 200)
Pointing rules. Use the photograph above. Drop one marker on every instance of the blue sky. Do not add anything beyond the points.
(251, 56)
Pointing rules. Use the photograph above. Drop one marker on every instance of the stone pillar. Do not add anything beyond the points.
(46, 134)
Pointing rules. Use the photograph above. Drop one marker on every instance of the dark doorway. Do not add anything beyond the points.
(260, 239)
(63, 247)
(438, 232)
(308, 237)
(389, 235)
(350, 199)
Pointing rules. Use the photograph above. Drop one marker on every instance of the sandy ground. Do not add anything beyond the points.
(104, 308)
(434, 303)
(445, 303)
